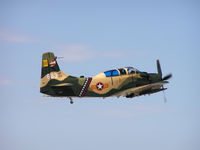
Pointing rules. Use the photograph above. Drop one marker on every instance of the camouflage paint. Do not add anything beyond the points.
(56, 83)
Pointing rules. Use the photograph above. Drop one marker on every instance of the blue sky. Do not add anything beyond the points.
(94, 36)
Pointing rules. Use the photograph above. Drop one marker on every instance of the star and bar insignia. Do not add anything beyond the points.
(99, 86)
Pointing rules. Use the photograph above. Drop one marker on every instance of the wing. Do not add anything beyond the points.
(62, 84)
(141, 90)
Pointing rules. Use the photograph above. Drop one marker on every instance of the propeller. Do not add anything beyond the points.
(167, 77)
(163, 78)
(160, 71)
(164, 96)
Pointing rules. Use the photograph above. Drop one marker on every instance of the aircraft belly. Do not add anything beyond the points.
(63, 91)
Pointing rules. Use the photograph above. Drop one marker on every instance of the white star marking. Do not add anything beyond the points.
(99, 86)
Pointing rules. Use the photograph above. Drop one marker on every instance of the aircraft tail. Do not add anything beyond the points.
(50, 71)
(49, 64)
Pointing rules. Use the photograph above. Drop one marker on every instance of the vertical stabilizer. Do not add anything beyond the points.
(50, 71)
(49, 64)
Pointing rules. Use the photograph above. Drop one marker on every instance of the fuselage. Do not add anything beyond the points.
(128, 81)
(104, 84)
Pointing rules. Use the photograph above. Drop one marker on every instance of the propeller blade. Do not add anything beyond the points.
(159, 67)
(165, 99)
(167, 77)
(164, 96)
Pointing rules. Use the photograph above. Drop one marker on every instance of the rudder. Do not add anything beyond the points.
(49, 64)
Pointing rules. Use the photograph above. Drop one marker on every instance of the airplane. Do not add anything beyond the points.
(127, 82)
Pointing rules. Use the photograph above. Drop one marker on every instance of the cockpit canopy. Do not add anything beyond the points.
(132, 70)
(121, 71)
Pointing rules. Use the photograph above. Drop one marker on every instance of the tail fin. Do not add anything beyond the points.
(49, 64)
(50, 71)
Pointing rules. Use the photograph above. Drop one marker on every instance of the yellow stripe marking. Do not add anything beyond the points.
(45, 63)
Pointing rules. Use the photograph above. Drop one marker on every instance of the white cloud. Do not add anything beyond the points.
(13, 36)
(4, 81)
(81, 53)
